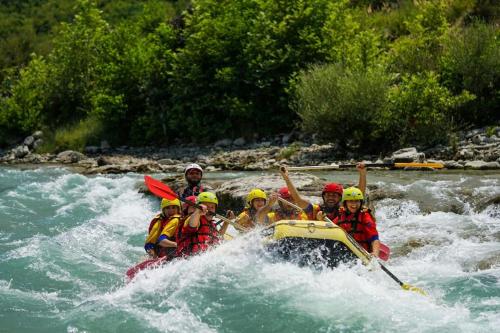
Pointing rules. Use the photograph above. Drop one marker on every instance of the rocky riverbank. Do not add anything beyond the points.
(476, 149)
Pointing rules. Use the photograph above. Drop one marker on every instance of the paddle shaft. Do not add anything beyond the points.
(373, 165)
(363, 250)
(286, 202)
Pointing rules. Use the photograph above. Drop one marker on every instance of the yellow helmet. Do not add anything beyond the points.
(166, 203)
(352, 193)
(207, 197)
(255, 194)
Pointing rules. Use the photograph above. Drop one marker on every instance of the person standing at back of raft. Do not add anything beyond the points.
(162, 229)
(331, 194)
(199, 232)
(193, 173)
(358, 221)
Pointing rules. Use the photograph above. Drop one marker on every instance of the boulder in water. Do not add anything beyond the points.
(407, 155)
(70, 156)
(233, 193)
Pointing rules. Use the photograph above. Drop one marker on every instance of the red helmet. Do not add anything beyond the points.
(284, 193)
(191, 198)
(333, 187)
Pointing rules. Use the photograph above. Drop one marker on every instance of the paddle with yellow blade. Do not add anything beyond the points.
(164, 191)
(432, 165)
(403, 285)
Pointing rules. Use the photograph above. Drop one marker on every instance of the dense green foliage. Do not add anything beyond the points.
(364, 73)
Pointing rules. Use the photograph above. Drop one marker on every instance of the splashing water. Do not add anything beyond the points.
(66, 241)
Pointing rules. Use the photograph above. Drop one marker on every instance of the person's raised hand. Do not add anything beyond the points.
(361, 167)
(284, 172)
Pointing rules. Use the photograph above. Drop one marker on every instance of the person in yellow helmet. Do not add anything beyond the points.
(199, 231)
(255, 200)
(358, 221)
(162, 229)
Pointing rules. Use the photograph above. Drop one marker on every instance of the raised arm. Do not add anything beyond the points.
(262, 212)
(299, 201)
(362, 176)
(194, 219)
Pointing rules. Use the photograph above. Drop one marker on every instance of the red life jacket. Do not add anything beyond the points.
(361, 226)
(333, 214)
(194, 240)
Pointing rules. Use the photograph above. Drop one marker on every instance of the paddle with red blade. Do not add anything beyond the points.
(384, 252)
(164, 191)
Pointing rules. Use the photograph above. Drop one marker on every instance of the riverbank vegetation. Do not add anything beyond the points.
(369, 75)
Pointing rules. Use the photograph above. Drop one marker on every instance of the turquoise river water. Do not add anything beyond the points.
(66, 241)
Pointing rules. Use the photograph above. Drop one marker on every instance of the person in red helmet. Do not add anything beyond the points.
(187, 210)
(284, 212)
(331, 194)
(193, 173)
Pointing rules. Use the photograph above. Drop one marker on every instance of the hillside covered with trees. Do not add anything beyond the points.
(372, 75)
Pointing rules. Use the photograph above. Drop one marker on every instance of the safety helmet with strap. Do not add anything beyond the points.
(207, 197)
(256, 193)
(352, 193)
(191, 167)
(284, 193)
(332, 188)
(166, 203)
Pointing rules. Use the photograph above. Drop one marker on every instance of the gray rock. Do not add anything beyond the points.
(465, 154)
(92, 150)
(37, 143)
(34, 158)
(479, 139)
(105, 145)
(223, 143)
(481, 165)
(166, 161)
(473, 132)
(20, 151)
(453, 165)
(287, 138)
(408, 155)
(37, 135)
(101, 161)
(70, 156)
(494, 138)
(233, 193)
(239, 142)
(29, 141)
(265, 144)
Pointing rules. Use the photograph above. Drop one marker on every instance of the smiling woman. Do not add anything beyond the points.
(66, 241)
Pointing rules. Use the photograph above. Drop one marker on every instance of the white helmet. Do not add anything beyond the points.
(192, 166)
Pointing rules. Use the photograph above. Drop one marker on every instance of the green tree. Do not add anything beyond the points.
(419, 111)
(341, 105)
(471, 61)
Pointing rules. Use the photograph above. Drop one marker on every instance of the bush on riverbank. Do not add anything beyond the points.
(342, 105)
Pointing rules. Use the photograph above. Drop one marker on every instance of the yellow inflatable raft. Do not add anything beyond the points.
(312, 243)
